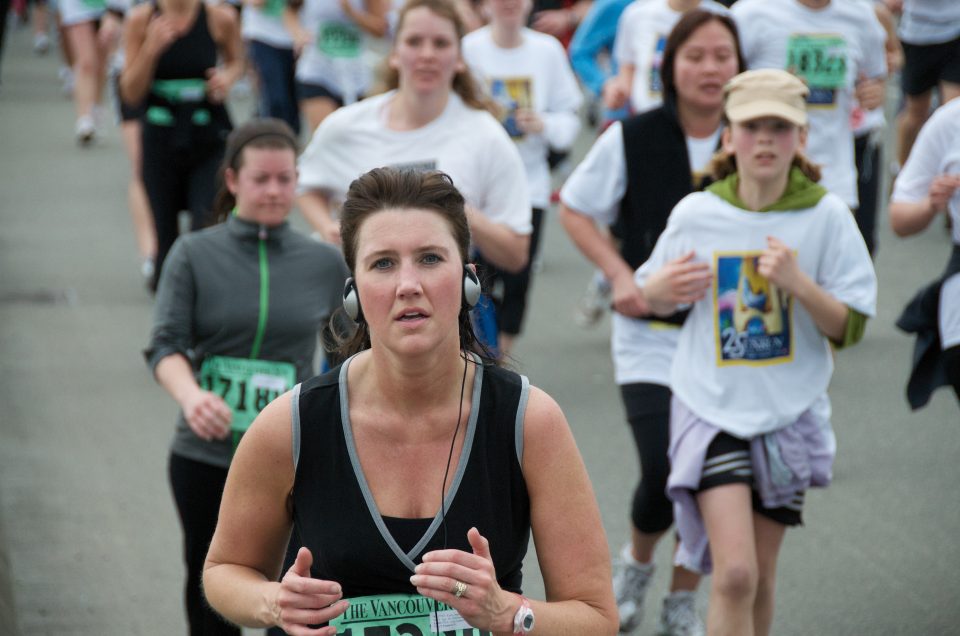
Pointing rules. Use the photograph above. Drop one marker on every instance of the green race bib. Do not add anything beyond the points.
(247, 386)
(338, 39)
(274, 8)
(401, 615)
(100, 5)
(820, 60)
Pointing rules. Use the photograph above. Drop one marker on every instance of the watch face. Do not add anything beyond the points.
(528, 622)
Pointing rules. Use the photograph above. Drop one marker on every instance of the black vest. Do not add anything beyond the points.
(334, 520)
(658, 176)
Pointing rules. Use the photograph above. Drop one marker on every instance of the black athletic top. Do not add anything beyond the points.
(335, 515)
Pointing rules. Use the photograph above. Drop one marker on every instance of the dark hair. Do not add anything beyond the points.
(683, 31)
(403, 189)
(256, 133)
(464, 83)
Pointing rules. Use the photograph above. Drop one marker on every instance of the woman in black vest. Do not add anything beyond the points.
(631, 179)
(414, 473)
(172, 52)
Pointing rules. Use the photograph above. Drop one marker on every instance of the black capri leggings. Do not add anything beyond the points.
(197, 491)
(648, 413)
(175, 180)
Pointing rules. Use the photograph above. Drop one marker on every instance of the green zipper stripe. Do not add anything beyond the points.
(264, 300)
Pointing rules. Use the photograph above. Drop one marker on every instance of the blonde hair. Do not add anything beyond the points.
(464, 83)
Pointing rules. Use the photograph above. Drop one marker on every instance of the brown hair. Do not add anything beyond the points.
(256, 133)
(464, 83)
(683, 31)
(402, 189)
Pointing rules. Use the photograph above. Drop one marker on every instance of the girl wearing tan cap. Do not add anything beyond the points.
(775, 274)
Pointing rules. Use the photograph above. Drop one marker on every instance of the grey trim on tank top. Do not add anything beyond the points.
(407, 557)
(521, 412)
(295, 424)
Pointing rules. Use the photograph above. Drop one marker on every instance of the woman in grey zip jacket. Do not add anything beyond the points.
(239, 308)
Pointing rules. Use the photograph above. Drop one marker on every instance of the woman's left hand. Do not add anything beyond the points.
(778, 264)
(218, 85)
(482, 602)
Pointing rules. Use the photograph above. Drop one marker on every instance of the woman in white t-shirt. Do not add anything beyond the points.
(434, 118)
(328, 39)
(632, 177)
(528, 75)
(928, 186)
(774, 271)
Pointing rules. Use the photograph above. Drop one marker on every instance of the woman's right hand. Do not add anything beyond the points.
(628, 299)
(207, 415)
(681, 281)
(941, 191)
(303, 600)
(161, 33)
(614, 93)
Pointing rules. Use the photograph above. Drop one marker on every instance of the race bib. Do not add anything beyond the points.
(820, 61)
(338, 39)
(247, 386)
(274, 8)
(401, 615)
(100, 5)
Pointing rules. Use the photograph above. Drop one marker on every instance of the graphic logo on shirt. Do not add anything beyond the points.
(656, 61)
(425, 165)
(510, 94)
(820, 60)
(753, 316)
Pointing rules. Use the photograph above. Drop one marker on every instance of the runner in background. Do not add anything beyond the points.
(328, 39)
(270, 50)
(634, 175)
(173, 54)
(236, 323)
(837, 48)
(591, 56)
(528, 75)
(80, 19)
(930, 33)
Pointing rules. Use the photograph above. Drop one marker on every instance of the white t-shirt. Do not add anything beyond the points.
(334, 58)
(467, 144)
(642, 349)
(750, 359)
(265, 24)
(641, 37)
(848, 40)
(929, 21)
(534, 75)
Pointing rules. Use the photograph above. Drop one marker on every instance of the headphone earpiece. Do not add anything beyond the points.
(351, 301)
(471, 288)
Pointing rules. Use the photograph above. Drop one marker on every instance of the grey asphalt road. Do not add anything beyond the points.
(89, 539)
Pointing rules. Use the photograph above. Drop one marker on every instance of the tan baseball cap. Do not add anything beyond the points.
(766, 93)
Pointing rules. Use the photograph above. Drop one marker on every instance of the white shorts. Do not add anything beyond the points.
(949, 315)
(79, 11)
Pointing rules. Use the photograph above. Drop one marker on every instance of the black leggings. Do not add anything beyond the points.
(951, 365)
(868, 159)
(648, 413)
(197, 490)
(177, 180)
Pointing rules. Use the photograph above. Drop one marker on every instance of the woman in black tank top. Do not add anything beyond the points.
(413, 474)
(171, 69)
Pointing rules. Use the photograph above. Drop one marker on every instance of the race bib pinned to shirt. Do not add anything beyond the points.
(274, 8)
(339, 39)
(820, 60)
(401, 615)
(247, 386)
(99, 5)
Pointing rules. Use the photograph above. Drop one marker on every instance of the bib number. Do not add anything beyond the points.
(247, 386)
(821, 61)
(274, 8)
(95, 4)
(401, 615)
(339, 39)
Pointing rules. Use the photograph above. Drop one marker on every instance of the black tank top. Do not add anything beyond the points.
(190, 55)
(335, 515)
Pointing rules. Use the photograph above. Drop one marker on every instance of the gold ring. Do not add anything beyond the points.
(459, 589)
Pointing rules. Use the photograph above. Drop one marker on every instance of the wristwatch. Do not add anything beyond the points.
(523, 619)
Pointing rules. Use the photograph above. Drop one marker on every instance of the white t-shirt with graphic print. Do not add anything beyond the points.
(750, 358)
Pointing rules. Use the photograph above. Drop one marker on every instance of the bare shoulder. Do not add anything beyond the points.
(545, 426)
(223, 20)
(269, 441)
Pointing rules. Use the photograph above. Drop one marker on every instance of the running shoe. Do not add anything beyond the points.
(66, 80)
(86, 130)
(41, 43)
(679, 616)
(595, 302)
(630, 585)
